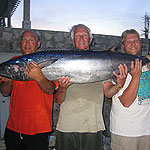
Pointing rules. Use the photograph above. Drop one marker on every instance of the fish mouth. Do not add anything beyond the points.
(3, 72)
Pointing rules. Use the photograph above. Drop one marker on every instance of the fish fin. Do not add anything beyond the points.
(113, 49)
(47, 63)
(54, 48)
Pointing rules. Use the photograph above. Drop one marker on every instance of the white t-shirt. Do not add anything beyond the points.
(132, 121)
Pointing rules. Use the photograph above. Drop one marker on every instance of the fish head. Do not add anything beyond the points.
(14, 69)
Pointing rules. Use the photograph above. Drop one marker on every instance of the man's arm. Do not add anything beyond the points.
(130, 93)
(35, 73)
(5, 86)
(60, 94)
(111, 89)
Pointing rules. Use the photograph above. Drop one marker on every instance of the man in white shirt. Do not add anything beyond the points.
(130, 112)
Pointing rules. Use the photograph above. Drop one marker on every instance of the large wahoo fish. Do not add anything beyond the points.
(80, 66)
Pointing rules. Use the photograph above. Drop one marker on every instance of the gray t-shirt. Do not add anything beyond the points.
(82, 109)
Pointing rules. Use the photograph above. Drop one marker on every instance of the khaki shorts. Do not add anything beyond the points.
(130, 143)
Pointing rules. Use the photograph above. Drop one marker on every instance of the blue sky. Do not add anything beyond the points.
(109, 17)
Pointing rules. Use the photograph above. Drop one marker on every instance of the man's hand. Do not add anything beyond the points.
(136, 68)
(34, 71)
(5, 86)
(111, 89)
(60, 94)
(64, 82)
(121, 78)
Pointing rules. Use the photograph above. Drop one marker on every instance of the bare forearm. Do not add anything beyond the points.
(130, 94)
(6, 88)
(34, 72)
(110, 89)
(46, 86)
(60, 95)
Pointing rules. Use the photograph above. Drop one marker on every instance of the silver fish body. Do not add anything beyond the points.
(80, 66)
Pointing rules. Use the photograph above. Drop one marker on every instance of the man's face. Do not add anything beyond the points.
(132, 44)
(29, 43)
(81, 38)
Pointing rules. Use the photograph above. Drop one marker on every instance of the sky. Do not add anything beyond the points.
(108, 17)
